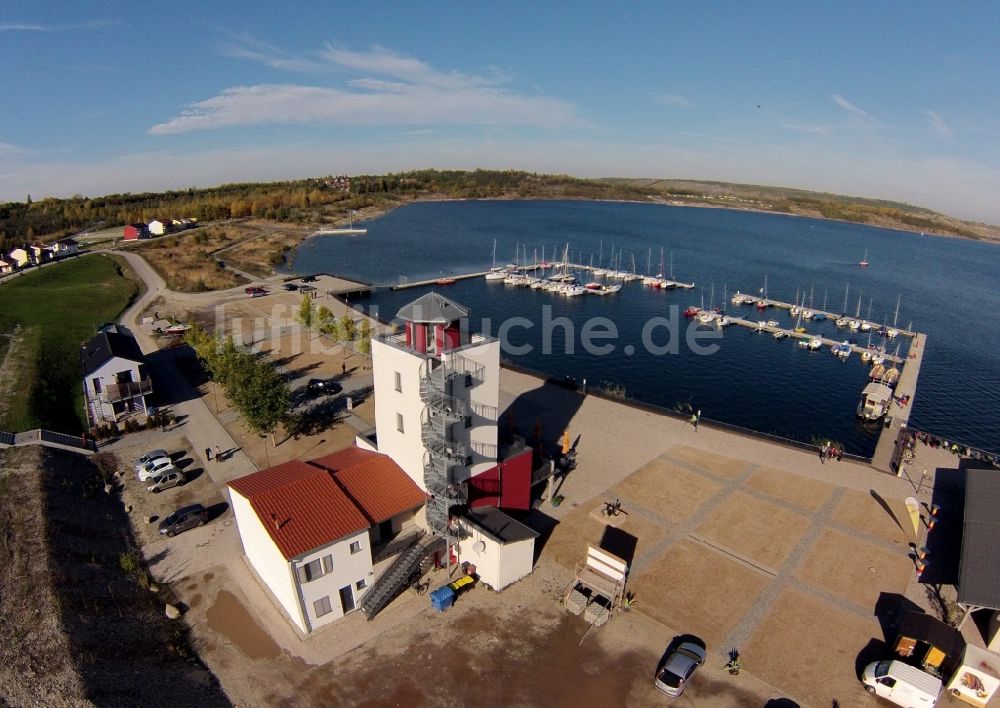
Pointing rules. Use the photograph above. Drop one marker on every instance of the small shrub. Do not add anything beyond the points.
(129, 562)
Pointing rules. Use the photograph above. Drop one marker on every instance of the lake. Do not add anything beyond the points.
(947, 288)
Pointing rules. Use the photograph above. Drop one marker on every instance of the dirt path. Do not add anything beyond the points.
(8, 370)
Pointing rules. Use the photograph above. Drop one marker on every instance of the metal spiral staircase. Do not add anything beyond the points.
(444, 455)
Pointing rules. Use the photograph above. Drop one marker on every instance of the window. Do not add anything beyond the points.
(322, 606)
(468, 421)
(312, 570)
(399, 381)
(399, 422)
(356, 547)
(327, 564)
(361, 584)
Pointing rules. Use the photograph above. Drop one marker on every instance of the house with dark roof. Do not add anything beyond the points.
(6, 266)
(312, 530)
(115, 379)
(63, 248)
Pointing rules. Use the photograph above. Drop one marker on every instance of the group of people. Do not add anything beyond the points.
(953, 447)
(218, 454)
(828, 451)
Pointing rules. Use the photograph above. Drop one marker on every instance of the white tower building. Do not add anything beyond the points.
(437, 389)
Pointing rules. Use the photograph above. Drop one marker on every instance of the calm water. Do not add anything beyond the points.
(948, 288)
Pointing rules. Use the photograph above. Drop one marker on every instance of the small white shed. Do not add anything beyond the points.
(501, 548)
(977, 678)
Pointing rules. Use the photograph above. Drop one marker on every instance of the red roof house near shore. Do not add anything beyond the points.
(309, 528)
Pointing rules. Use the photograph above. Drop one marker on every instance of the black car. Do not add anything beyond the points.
(290, 286)
(309, 279)
(323, 386)
(183, 519)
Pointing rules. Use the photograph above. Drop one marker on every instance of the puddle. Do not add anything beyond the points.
(195, 600)
(230, 619)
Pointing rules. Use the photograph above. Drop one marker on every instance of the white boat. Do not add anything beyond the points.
(842, 350)
(811, 344)
(738, 298)
(723, 321)
(496, 273)
(772, 323)
(780, 334)
(875, 401)
(866, 326)
(706, 317)
(600, 272)
(854, 325)
(807, 314)
(760, 327)
(350, 230)
(892, 333)
(843, 321)
(601, 288)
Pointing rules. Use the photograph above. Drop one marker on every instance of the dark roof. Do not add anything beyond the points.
(498, 526)
(979, 572)
(434, 309)
(929, 629)
(107, 345)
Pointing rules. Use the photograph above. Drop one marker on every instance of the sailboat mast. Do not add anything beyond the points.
(847, 289)
(896, 316)
(649, 261)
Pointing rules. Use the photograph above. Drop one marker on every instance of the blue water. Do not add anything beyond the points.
(948, 288)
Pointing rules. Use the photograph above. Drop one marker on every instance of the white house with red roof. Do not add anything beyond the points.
(309, 529)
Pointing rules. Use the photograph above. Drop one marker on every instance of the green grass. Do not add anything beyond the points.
(58, 308)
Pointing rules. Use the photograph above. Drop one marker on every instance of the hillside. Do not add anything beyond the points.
(327, 200)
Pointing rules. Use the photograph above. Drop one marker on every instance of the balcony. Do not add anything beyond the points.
(113, 393)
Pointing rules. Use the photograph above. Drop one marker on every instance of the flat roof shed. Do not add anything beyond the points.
(979, 570)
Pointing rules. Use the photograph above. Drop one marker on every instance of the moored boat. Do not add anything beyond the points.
(875, 401)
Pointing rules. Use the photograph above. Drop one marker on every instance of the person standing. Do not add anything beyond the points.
(343, 368)
(208, 453)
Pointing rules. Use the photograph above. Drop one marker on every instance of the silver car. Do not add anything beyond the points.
(149, 457)
(172, 478)
(155, 468)
(678, 668)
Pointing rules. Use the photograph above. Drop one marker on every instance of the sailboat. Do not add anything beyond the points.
(762, 303)
(350, 230)
(864, 261)
(496, 273)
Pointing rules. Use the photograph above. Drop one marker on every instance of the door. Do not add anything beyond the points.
(385, 531)
(347, 599)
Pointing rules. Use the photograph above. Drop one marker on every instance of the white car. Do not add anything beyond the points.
(155, 468)
(149, 457)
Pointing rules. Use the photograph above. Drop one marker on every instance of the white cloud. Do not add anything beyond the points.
(404, 91)
(851, 108)
(937, 122)
(244, 46)
(37, 27)
(675, 100)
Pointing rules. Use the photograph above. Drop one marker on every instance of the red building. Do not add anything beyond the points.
(133, 232)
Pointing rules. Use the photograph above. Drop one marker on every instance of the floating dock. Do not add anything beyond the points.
(829, 315)
(899, 415)
(433, 281)
(806, 336)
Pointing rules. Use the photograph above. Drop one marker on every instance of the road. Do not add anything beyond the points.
(202, 429)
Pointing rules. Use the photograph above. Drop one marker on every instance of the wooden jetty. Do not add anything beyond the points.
(519, 269)
(899, 415)
(806, 336)
(832, 315)
(433, 281)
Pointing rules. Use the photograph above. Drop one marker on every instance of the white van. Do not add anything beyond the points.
(901, 684)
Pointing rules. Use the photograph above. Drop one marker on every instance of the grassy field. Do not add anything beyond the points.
(185, 262)
(58, 309)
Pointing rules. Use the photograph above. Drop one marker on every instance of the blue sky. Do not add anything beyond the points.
(898, 101)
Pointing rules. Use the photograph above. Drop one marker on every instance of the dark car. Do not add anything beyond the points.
(306, 288)
(290, 286)
(255, 291)
(309, 279)
(183, 519)
(322, 386)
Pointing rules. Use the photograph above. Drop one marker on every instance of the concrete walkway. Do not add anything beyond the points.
(202, 428)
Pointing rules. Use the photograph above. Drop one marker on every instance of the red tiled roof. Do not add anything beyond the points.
(374, 482)
(305, 505)
(301, 506)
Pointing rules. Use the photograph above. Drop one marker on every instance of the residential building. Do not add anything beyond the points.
(6, 266)
(40, 253)
(134, 232)
(23, 256)
(312, 531)
(159, 227)
(63, 248)
(115, 379)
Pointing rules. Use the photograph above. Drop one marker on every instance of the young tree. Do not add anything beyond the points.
(263, 398)
(307, 312)
(365, 337)
(347, 328)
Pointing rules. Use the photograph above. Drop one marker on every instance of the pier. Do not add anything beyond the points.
(520, 269)
(830, 315)
(899, 415)
(433, 281)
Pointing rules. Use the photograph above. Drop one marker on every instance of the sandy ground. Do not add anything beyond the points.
(763, 549)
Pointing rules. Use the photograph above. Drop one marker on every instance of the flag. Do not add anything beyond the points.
(913, 506)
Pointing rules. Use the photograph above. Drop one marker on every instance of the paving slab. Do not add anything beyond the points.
(752, 527)
(811, 649)
(865, 512)
(854, 569)
(728, 467)
(674, 492)
(697, 590)
(804, 492)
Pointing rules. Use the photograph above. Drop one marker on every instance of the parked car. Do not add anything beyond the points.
(309, 279)
(155, 468)
(183, 519)
(166, 480)
(306, 288)
(323, 386)
(290, 286)
(678, 667)
(148, 457)
(255, 291)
